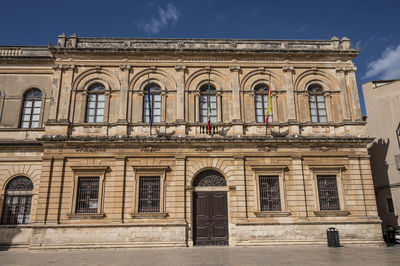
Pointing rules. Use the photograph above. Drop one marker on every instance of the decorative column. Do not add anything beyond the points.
(219, 107)
(180, 94)
(236, 112)
(123, 103)
(57, 76)
(343, 94)
(196, 107)
(65, 94)
(180, 100)
(353, 93)
(288, 72)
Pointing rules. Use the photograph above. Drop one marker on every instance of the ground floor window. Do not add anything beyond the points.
(87, 195)
(270, 199)
(328, 192)
(149, 194)
(17, 201)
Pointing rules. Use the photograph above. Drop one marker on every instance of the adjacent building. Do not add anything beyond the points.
(163, 142)
(382, 100)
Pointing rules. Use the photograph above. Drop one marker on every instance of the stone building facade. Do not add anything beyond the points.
(382, 101)
(105, 143)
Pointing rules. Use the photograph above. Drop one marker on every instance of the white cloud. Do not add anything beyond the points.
(167, 15)
(387, 66)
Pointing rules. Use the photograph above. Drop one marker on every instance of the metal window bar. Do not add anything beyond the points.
(87, 195)
(16, 209)
(149, 194)
(270, 199)
(328, 193)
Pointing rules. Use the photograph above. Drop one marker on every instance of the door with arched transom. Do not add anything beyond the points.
(210, 210)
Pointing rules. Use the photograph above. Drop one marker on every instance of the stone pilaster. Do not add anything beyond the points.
(343, 94)
(353, 93)
(235, 79)
(288, 72)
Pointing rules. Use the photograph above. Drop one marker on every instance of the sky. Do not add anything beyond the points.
(374, 26)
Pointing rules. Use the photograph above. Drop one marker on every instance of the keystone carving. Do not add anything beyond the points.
(265, 148)
(149, 149)
(90, 149)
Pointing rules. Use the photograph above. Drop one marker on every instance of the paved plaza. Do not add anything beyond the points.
(277, 255)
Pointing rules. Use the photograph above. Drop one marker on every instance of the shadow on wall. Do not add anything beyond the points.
(379, 168)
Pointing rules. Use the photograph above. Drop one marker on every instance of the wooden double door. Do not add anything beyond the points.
(210, 223)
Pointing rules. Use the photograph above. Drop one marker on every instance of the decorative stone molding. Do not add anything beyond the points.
(234, 68)
(323, 148)
(288, 68)
(125, 67)
(180, 68)
(149, 149)
(266, 148)
(85, 216)
(149, 215)
(272, 214)
(209, 149)
(346, 69)
(90, 149)
(332, 213)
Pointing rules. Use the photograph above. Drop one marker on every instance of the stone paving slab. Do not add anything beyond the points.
(277, 255)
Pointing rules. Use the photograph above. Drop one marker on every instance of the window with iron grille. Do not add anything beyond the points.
(208, 104)
(87, 195)
(149, 194)
(270, 199)
(17, 201)
(95, 104)
(261, 103)
(152, 103)
(317, 104)
(328, 193)
(31, 109)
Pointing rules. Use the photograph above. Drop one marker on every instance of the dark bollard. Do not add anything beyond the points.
(332, 234)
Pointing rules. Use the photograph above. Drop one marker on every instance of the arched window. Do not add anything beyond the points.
(31, 109)
(17, 202)
(95, 104)
(208, 104)
(261, 103)
(152, 103)
(317, 103)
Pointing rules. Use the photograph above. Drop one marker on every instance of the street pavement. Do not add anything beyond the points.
(276, 255)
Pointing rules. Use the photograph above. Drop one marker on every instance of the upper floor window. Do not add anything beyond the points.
(317, 104)
(261, 103)
(152, 104)
(95, 104)
(31, 109)
(17, 202)
(208, 104)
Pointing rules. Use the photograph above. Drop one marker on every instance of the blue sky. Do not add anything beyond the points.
(372, 25)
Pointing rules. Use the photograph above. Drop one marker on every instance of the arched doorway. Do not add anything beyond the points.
(210, 210)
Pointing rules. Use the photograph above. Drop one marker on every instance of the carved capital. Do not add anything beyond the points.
(234, 68)
(125, 67)
(180, 68)
(288, 68)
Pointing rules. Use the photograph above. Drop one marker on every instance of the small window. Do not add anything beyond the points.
(152, 104)
(317, 104)
(31, 109)
(390, 204)
(261, 103)
(95, 104)
(149, 194)
(270, 199)
(17, 202)
(328, 193)
(208, 104)
(87, 195)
